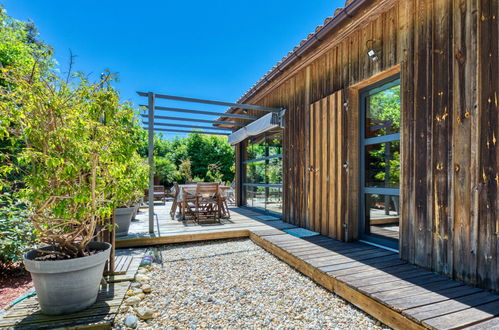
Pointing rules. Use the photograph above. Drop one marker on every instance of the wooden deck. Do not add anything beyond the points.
(26, 314)
(400, 295)
(167, 230)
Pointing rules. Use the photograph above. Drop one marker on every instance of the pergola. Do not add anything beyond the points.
(180, 123)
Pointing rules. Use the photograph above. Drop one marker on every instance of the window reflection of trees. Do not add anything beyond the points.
(383, 112)
(266, 171)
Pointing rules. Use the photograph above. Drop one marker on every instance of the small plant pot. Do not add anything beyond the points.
(134, 214)
(123, 217)
(67, 286)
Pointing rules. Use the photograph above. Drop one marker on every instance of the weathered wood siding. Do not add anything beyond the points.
(450, 127)
(327, 154)
(448, 56)
(343, 64)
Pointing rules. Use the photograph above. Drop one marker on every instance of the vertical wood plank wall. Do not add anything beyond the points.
(326, 171)
(450, 115)
(448, 56)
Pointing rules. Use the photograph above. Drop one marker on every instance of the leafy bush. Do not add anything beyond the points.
(190, 158)
(81, 148)
(166, 171)
(16, 234)
(214, 174)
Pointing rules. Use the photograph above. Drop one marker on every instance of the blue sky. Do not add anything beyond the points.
(202, 49)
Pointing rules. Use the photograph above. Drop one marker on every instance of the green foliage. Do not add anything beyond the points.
(16, 234)
(184, 170)
(265, 171)
(214, 174)
(166, 171)
(384, 109)
(204, 150)
(81, 149)
(206, 158)
(19, 50)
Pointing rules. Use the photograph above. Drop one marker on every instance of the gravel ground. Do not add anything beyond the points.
(235, 285)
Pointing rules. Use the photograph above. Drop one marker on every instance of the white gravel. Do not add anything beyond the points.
(238, 285)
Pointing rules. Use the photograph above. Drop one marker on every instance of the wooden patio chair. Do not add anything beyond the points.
(175, 193)
(160, 193)
(189, 203)
(208, 204)
(231, 194)
(224, 200)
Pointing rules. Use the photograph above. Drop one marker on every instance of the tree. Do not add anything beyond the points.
(205, 158)
(20, 50)
(204, 150)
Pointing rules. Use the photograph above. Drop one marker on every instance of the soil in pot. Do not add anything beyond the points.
(69, 285)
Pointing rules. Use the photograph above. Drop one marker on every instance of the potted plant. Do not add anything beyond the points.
(78, 138)
(129, 188)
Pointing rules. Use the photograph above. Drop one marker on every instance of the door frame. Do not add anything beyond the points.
(363, 93)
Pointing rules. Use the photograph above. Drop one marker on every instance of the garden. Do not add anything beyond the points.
(72, 155)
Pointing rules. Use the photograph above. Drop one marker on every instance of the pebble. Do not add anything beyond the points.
(234, 284)
(146, 288)
(132, 301)
(145, 313)
(141, 278)
(131, 321)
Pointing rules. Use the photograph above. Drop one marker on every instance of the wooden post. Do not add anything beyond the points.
(112, 240)
(150, 106)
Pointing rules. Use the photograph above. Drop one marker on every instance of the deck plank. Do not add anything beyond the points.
(465, 317)
(449, 306)
(27, 314)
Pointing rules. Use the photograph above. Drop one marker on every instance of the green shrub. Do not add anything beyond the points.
(81, 149)
(17, 235)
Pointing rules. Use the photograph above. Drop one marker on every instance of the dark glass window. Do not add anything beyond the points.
(382, 165)
(383, 112)
(380, 169)
(263, 173)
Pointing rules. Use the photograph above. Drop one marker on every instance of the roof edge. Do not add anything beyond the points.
(340, 15)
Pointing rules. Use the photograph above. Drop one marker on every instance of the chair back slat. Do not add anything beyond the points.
(159, 188)
(207, 188)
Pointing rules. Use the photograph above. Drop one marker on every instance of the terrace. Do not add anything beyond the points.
(365, 189)
(375, 280)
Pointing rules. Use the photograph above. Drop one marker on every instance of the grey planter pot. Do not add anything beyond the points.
(135, 210)
(67, 286)
(123, 217)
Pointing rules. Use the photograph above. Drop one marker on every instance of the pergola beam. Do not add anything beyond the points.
(203, 112)
(189, 126)
(187, 131)
(228, 104)
(229, 123)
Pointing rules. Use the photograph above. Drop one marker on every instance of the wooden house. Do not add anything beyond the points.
(390, 133)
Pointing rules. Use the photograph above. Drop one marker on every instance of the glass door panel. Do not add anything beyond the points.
(380, 163)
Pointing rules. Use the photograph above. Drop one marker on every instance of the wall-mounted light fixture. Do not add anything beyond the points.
(372, 51)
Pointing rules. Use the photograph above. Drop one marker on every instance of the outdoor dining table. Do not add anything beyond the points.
(191, 187)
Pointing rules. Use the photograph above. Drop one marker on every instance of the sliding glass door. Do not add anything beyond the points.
(263, 173)
(380, 163)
